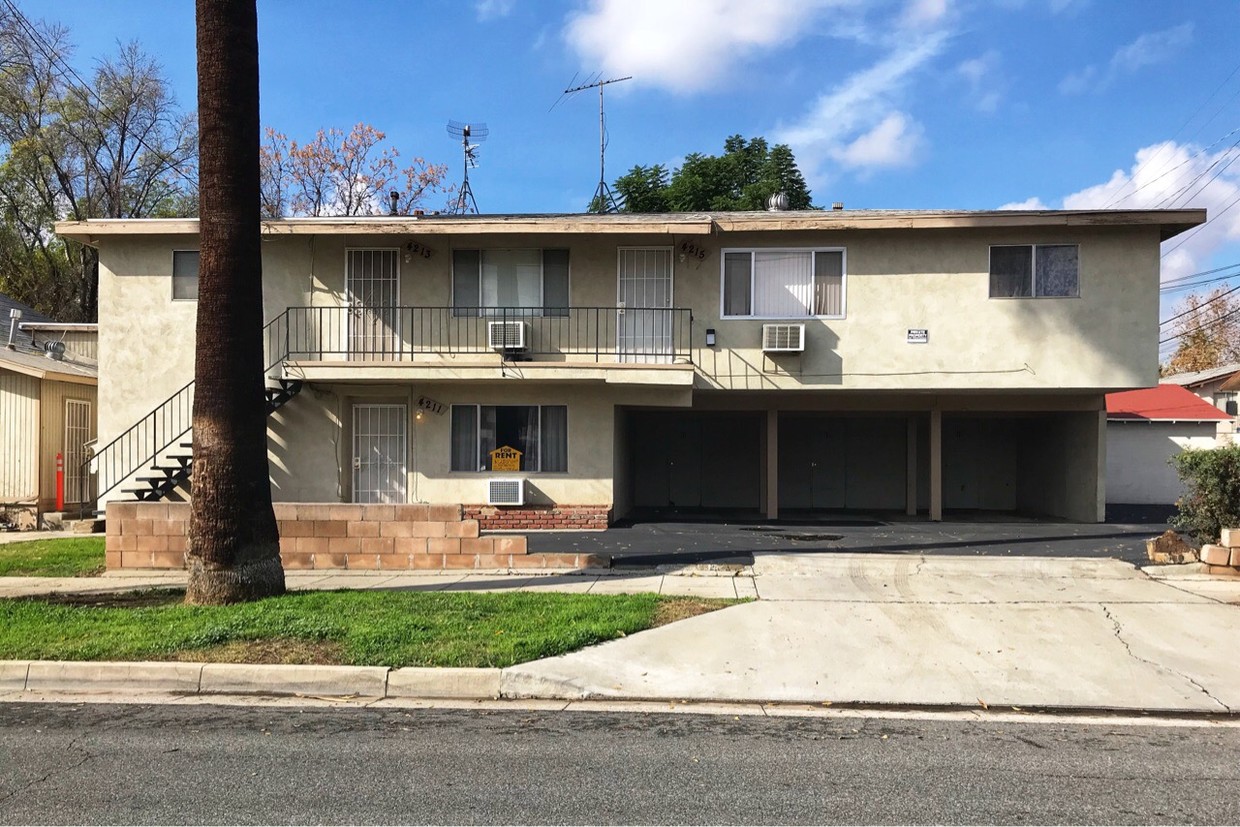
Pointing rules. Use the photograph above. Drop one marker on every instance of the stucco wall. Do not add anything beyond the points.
(1139, 456)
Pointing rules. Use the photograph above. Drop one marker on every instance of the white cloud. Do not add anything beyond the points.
(925, 12)
(984, 81)
(894, 142)
(487, 10)
(859, 123)
(1172, 175)
(1034, 203)
(690, 45)
(1149, 49)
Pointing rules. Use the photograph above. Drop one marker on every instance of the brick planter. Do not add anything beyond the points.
(332, 536)
(540, 517)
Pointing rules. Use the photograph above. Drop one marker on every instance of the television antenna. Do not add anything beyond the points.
(465, 132)
(604, 200)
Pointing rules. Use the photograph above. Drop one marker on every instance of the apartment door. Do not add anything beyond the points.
(373, 295)
(379, 453)
(644, 318)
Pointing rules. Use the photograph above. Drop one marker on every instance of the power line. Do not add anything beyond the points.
(1201, 328)
(1188, 236)
(1197, 308)
(1166, 284)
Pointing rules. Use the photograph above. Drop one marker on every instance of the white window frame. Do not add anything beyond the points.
(843, 251)
(1033, 269)
(172, 290)
(478, 406)
(542, 277)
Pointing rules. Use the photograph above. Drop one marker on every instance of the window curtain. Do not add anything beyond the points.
(511, 278)
(783, 284)
(465, 438)
(828, 284)
(486, 436)
(465, 297)
(185, 274)
(1011, 271)
(736, 283)
(527, 436)
(554, 438)
(1056, 270)
(555, 282)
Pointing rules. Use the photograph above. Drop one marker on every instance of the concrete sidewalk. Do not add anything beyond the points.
(689, 585)
(872, 629)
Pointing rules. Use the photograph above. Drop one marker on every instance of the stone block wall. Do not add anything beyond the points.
(540, 517)
(338, 536)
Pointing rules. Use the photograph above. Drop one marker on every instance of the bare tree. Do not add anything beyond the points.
(339, 173)
(116, 146)
(234, 544)
(1207, 332)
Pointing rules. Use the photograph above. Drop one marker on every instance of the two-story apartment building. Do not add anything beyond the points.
(767, 364)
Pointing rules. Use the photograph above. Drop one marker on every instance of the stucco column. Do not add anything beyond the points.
(910, 474)
(936, 465)
(772, 465)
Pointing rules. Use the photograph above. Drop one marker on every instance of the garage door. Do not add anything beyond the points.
(837, 462)
(695, 460)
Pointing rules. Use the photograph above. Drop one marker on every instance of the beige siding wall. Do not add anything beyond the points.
(19, 437)
(52, 422)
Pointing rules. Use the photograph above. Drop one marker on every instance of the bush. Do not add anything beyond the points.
(1211, 501)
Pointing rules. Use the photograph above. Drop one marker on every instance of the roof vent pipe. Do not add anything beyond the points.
(15, 316)
(394, 196)
(837, 205)
(778, 202)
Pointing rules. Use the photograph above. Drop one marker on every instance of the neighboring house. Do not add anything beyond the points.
(1145, 430)
(1220, 387)
(48, 377)
(601, 366)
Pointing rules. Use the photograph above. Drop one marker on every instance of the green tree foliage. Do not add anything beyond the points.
(113, 144)
(1212, 492)
(742, 178)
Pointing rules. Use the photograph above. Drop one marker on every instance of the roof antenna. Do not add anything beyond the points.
(604, 201)
(463, 132)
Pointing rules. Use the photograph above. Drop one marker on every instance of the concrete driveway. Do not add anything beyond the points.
(931, 630)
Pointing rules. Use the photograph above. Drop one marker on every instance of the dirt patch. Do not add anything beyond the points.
(273, 650)
(118, 600)
(682, 608)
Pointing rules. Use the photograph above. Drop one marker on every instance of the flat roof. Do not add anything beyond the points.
(1170, 222)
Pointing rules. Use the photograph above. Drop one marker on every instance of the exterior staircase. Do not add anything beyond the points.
(155, 456)
(174, 470)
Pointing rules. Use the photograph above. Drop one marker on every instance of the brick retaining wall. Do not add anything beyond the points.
(540, 517)
(330, 536)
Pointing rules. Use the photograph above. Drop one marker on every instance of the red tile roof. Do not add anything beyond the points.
(1165, 402)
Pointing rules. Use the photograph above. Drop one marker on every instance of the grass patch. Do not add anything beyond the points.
(350, 627)
(61, 557)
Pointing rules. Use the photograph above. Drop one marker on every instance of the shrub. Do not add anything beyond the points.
(1211, 500)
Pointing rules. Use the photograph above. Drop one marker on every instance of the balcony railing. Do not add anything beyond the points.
(570, 334)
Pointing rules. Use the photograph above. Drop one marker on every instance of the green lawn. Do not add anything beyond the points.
(61, 557)
(351, 627)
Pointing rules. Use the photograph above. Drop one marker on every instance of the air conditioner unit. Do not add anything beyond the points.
(506, 335)
(505, 492)
(783, 338)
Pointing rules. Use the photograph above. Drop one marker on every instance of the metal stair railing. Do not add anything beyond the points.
(143, 443)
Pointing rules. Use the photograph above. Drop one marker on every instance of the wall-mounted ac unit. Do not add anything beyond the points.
(506, 335)
(505, 492)
(783, 338)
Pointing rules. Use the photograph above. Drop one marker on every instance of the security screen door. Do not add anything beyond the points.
(644, 319)
(77, 434)
(374, 293)
(379, 453)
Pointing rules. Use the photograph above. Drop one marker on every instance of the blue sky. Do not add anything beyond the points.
(886, 103)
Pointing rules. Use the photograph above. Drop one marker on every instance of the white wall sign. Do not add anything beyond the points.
(918, 336)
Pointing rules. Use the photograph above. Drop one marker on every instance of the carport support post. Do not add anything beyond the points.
(772, 465)
(936, 465)
(910, 473)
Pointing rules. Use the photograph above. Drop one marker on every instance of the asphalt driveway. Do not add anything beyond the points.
(646, 543)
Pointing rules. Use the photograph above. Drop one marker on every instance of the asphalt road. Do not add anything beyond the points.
(211, 764)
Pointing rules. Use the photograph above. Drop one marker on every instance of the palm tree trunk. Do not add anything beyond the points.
(234, 545)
